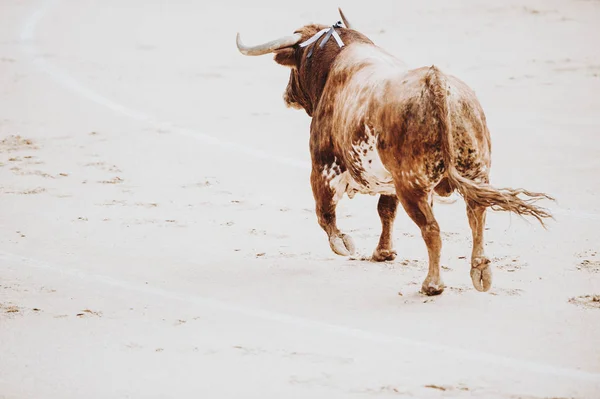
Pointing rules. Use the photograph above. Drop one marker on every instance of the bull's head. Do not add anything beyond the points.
(307, 79)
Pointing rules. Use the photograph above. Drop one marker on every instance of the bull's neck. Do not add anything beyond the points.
(313, 75)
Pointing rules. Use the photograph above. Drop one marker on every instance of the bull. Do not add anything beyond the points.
(406, 134)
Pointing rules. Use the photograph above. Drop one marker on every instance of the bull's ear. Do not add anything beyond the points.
(286, 57)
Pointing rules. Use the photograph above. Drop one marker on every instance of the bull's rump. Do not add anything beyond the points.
(410, 138)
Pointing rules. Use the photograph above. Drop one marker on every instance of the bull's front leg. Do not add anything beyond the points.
(327, 189)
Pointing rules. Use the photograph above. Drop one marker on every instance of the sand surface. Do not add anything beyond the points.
(158, 236)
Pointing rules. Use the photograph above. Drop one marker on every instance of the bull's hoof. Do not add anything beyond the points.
(481, 273)
(381, 255)
(432, 287)
(342, 244)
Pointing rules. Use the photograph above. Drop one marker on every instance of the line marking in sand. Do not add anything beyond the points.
(380, 338)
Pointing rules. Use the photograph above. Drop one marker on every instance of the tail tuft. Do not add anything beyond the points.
(501, 199)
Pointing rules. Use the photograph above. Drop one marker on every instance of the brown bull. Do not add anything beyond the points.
(379, 128)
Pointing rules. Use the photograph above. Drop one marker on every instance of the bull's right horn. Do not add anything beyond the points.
(269, 47)
(344, 20)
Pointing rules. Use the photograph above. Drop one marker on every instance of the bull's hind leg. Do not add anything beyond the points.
(418, 208)
(327, 192)
(481, 272)
(386, 207)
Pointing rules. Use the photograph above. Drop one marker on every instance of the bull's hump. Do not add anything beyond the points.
(368, 58)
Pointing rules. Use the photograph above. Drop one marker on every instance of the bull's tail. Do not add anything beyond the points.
(506, 199)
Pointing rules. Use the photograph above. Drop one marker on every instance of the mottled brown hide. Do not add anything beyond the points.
(381, 128)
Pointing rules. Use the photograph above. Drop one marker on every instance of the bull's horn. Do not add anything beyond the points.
(344, 20)
(268, 47)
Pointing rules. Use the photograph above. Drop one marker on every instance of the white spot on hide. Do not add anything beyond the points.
(366, 160)
(338, 182)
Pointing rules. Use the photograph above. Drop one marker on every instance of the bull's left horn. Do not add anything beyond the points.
(344, 20)
(269, 47)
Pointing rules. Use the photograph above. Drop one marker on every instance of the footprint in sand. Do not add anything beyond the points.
(155, 222)
(9, 308)
(508, 263)
(204, 183)
(12, 310)
(31, 191)
(125, 203)
(21, 172)
(507, 292)
(16, 143)
(586, 301)
(114, 180)
(589, 261)
(104, 166)
(88, 312)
